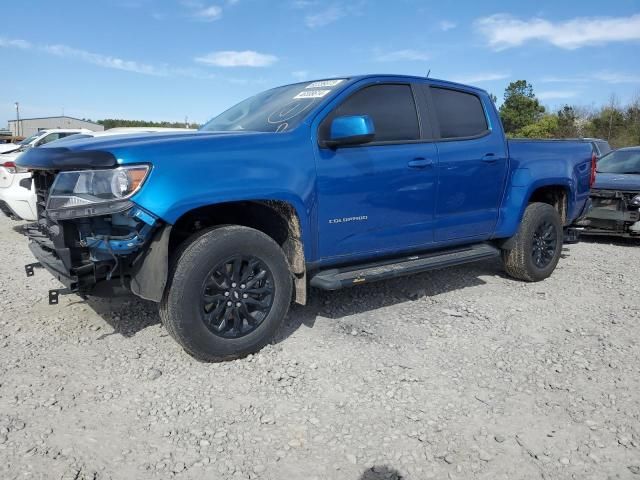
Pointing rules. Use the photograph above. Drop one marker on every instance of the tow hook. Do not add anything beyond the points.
(29, 268)
(54, 293)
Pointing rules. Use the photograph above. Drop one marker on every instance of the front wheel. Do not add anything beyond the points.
(538, 244)
(229, 292)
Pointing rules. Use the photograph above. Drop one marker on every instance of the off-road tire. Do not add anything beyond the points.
(519, 262)
(180, 307)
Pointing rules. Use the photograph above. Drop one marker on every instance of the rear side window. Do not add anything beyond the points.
(460, 114)
(391, 107)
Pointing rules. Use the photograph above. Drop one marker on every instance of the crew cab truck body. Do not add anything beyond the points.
(329, 184)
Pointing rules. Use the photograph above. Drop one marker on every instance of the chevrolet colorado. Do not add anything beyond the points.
(328, 184)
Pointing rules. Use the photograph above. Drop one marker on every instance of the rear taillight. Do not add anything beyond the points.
(594, 166)
(10, 167)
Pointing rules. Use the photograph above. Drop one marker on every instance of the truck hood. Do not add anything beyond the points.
(107, 152)
(617, 181)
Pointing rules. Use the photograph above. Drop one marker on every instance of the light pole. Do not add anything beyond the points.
(17, 119)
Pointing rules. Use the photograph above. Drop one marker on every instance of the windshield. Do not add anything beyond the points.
(76, 136)
(620, 161)
(276, 110)
(30, 139)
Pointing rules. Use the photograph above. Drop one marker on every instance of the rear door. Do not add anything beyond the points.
(472, 165)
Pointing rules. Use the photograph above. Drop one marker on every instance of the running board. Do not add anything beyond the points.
(338, 278)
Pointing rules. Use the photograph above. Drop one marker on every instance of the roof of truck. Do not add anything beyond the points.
(437, 81)
(356, 78)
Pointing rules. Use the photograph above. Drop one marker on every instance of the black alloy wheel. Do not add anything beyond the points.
(237, 296)
(544, 244)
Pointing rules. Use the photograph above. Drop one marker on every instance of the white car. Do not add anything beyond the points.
(17, 195)
(41, 138)
(17, 192)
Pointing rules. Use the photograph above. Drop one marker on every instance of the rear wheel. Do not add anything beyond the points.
(229, 292)
(538, 244)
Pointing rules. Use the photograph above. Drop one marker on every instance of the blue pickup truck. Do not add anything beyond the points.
(327, 184)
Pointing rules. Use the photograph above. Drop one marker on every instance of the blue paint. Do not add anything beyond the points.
(352, 126)
(359, 201)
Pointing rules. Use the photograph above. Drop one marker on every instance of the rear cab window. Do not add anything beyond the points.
(392, 108)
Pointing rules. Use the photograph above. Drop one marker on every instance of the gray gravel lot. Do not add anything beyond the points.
(461, 373)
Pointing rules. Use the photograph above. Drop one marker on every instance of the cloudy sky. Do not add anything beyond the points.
(167, 59)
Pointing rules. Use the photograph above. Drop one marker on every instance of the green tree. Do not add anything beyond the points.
(108, 123)
(545, 127)
(520, 107)
(567, 122)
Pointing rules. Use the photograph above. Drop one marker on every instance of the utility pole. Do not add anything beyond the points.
(186, 122)
(17, 119)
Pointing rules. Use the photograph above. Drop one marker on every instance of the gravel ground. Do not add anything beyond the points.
(461, 373)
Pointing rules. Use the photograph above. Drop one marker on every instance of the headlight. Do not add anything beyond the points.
(88, 193)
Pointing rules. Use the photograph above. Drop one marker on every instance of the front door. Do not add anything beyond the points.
(378, 197)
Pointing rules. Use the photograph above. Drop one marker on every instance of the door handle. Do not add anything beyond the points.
(490, 158)
(420, 163)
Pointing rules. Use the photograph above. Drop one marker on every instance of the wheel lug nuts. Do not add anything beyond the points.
(229, 304)
(238, 304)
(226, 294)
(244, 295)
(233, 285)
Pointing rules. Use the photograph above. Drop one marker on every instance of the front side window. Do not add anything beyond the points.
(460, 114)
(391, 107)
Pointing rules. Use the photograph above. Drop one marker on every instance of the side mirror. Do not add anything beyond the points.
(351, 130)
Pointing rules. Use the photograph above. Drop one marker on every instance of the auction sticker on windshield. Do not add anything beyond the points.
(312, 94)
(325, 83)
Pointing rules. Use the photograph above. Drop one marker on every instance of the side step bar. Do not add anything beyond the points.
(338, 278)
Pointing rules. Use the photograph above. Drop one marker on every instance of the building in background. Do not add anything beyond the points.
(28, 126)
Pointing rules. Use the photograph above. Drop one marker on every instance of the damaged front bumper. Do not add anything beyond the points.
(613, 214)
(105, 255)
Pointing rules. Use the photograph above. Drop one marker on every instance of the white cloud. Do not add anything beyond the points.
(208, 14)
(616, 77)
(603, 76)
(402, 55)
(556, 94)
(232, 58)
(104, 60)
(325, 17)
(107, 61)
(504, 31)
(14, 43)
(481, 77)
(446, 25)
